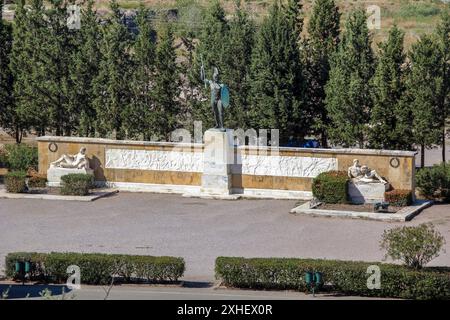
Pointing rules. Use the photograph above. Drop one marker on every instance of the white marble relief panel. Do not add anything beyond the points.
(154, 160)
(283, 166)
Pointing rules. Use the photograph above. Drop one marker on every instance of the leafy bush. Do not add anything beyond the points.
(331, 187)
(344, 277)
(21, 157)
(97, 268)
(15, 182)
(77, 184)
(415, 246)
(434, 182)
(398, 198)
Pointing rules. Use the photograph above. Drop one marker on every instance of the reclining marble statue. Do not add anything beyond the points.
(76, 161)
(67, 164)
(364, 174)
(366, 185)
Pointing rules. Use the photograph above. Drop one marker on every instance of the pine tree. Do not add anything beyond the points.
(276, 75)
(84, 68)
(167, 84)
(387, 129)
(9, 120)
(323, 31)
(237, 61)
(140, 120)
(423, 87)
(111, 89)
(211, 53)
(348, 99)
(443, 39)
(29, 34)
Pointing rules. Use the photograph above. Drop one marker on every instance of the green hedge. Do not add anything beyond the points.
(97, 268)
(343, 277)
(15, 182)
(331, 187)
(77, 184)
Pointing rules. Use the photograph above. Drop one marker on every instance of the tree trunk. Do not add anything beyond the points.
(422, 156)
(443, 147)
(324, 139)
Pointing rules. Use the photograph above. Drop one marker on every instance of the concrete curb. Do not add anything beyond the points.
(91, 197)
(405, 214)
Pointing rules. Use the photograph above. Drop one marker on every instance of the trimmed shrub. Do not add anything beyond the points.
(37, 181)
(415, 246)
(98, 268)
(21, 157)
(398, 198)
(434, 182)
(344, 277)
(15, 182)
(77, 184)
(331, 187)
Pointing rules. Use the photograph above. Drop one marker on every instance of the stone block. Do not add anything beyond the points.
(367, 192)
(54, 174)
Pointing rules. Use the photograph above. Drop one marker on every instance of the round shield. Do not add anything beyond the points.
(225, 96)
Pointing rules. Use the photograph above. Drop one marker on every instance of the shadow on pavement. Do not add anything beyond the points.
(19, 291)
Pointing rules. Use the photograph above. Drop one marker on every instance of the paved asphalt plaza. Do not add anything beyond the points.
(196, 229)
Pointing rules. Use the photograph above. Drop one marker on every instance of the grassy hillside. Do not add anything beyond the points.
(414, 16)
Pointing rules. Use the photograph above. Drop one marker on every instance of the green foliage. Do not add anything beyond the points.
(434, 182)
(398, 198)
(348, 97)
(237, 61)
(140, 118)
(97, 268)
(84, 69)
(424, 85)
(331, 187)
(323, 30)
(15, 182)
(415, 246)
(341, 277)
(111, 88)
(77, 184)
(418, 10)
(9, 120)
(21, 157)
(167, 85)
(390, 124)
(277, 83)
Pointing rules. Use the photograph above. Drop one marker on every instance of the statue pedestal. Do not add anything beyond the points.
(54, 174)
(218, 157)
(363, 192)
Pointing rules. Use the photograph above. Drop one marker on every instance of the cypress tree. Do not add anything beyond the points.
(323, 31)
(211, 52)
(167, 84)
(55, 55)
(276, 75)
(348, 99)
(111, 89)
(423, 85)
(237, 61)
(30, 33)
(9, 120)
(386, 123)
(139, 116)
(443, 39)
(84, 69)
